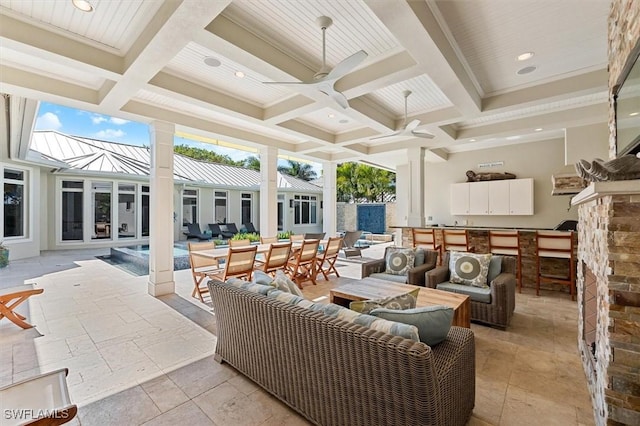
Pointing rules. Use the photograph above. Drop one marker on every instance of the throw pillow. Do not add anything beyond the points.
(403, 301)
(399, 260)
(249, 286)
(282, 281)
(261, 277)
(469, 268)
(420, 255)
(433, 322)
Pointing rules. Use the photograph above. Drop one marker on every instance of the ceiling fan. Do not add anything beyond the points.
(409, 130)
(325, 79)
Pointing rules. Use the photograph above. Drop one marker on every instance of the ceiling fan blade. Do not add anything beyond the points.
(412, 126)
(423, 135)
(340, 99)
(390, 135)
(346, 65)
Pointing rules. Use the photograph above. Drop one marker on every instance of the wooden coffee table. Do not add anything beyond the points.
(371, 288)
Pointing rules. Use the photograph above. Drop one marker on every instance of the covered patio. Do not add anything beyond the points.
(136, 359)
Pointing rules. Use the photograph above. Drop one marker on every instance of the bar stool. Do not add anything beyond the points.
(555, 244)
(508, 243)
(457, 240)
(426, 238)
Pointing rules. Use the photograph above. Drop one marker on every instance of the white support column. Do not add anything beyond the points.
(161, 280)
(415, 216)
(268, 191)
(329, 221)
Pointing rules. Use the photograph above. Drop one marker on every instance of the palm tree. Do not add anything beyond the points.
(300, 170)
(356, 182)
(252, 162)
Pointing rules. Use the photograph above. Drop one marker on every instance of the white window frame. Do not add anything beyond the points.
(216, 196)
(28, 192)
(301, 199)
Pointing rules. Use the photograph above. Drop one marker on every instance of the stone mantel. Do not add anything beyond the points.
(597, 190)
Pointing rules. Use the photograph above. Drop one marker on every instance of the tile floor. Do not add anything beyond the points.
(134, 359)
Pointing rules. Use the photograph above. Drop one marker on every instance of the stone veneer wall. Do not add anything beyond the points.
(609, 245)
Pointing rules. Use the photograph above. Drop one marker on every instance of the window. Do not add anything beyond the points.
(126, 210)
(72, 202)
(220, 207)
(146, 201)
(189, 206)
(246, 208)
(15, 203)
(304, 209)
(101, 207)
(280, 212)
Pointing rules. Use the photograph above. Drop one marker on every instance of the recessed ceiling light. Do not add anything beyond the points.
(526, 55)
(82, 5)
(472, 140)
(331, 115)
(539, 129)
(526, 70)
(212, 62)
(239, 74)
(512, 138)
(633, 114)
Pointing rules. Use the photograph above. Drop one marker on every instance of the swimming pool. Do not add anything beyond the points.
(136, 258)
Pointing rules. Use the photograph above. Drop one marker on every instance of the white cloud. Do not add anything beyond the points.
(48, 121)
(109, 134)
(97, 119)
(118, 121)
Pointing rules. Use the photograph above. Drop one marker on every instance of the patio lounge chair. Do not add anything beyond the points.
(229, 230)
(250, 228)
(349, 244)
(216, 232)
(314, 235)
(195, 232)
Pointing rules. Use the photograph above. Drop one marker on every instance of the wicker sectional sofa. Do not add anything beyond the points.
(337, 373)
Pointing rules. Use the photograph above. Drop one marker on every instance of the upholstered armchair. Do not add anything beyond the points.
(493, 305)
(424, 260)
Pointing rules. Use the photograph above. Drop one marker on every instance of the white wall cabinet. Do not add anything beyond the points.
(500, 197)
(459, 202)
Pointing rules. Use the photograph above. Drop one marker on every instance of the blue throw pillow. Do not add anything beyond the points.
(433, 322)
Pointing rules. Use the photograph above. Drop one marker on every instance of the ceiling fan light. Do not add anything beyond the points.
(82, 5)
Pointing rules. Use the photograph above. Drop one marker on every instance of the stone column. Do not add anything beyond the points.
(329, 206)
(161, 207)
(268, 191)
(416, 187)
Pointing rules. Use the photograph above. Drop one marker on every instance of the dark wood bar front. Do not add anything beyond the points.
(479, 239)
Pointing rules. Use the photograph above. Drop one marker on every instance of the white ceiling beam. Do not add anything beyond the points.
(566, 88)
(294, 107)
(416, 28)
(35, 41)
(170, 30)
(578, 116)
(228, 133)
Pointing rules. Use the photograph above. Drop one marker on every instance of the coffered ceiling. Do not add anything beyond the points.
(145, 61)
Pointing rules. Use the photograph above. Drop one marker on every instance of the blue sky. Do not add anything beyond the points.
(76, 122)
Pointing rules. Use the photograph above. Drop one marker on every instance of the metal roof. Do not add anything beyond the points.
(91, 155)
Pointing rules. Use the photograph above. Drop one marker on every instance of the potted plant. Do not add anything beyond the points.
(4, 255)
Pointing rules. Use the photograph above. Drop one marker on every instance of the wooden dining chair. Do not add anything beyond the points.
(296, 237)
(239, 263)
(239, 243)
(10, 300)
(508, 243)
(326, 261)
(302, 266)
(276, 258)
(200, 266)
(555, 244)
(426, 238)
(457, 240)
(268, 240)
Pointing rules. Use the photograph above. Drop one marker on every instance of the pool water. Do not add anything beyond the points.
(136, 258)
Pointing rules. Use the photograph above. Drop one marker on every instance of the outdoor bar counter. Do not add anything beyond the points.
(479, 240)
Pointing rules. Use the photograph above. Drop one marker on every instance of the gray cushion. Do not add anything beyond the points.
(433, 322)
(420, 255)
(282, 281)
(402, 279)
(477, 294)
(469, 268)
(399, 260)
(495, 267)
(260, 277)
